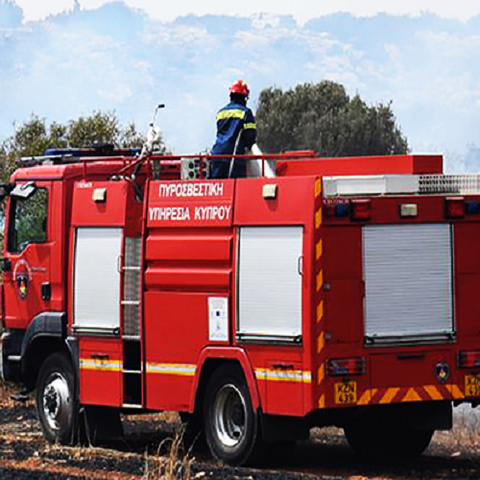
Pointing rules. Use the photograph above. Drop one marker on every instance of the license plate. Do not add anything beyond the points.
(345, 393)
(472, 385)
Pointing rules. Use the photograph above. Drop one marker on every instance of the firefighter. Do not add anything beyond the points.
(236, 133)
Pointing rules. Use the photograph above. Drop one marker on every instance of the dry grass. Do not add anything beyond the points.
(154, 450)
(19, 427)
(464, 438)
(176, 465)
(6, 392)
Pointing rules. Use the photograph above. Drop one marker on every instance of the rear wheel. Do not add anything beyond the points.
(231, 424)
(388, 444)
(57, 405)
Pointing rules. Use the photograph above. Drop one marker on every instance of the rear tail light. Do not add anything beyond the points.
(454, 207)
(355, 209)
(346, 366)
(360, 209)
(469, 359)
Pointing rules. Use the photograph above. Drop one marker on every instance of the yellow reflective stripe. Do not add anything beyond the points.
(172, 368)
(320, 342)
(250, 125)
(432, 390)
(321, 374)
(234, 113)
(307, 377)
(319, 280)
(389, 395)
(367, 396)
(100, 365)
(284, 375)
(455, 391)
(412, 396)
(319, 311)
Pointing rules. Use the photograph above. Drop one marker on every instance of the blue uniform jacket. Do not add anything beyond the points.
(235, 123)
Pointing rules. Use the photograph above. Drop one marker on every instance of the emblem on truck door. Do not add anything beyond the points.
(22, 276)
(442, 370)
(22, 285)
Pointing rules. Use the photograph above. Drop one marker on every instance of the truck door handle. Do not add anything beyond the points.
(411, 356)
(283, 366)
(99, 356)
(46, 291)
(300, 265)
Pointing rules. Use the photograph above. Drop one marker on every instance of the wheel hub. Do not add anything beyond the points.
(56, 401)
(230, 415)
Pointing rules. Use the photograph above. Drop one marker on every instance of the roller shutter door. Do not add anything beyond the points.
(97, 279)
(408, 281)
(270, 282)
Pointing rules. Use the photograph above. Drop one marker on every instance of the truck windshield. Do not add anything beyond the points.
(28, 220)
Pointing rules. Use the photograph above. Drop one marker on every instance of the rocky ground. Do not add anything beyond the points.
(148, 452)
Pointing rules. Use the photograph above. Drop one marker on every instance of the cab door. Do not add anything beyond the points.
(27, 249)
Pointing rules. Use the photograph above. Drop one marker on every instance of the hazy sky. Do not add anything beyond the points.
(302, 10)
(122, 60)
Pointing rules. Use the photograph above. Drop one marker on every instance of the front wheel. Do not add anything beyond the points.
(231, 424)
(57, 405)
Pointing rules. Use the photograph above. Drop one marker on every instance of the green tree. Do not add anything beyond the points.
(129, 137)
(35, 136)
(7, 162)
(97, 128)
(322, 117)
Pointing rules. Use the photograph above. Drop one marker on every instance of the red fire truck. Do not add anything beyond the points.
(340, 292)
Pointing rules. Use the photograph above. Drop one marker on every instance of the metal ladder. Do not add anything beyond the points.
(131, 303)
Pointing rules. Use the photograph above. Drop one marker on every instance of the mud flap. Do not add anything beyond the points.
(281, 428)
(102, 424)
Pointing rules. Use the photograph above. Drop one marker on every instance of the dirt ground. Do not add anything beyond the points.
(147, 453)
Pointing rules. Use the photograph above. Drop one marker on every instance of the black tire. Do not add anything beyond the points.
(391, 445)
(57, 403)
(231, 424)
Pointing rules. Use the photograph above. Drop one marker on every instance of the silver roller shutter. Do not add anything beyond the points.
(97, 279)
(408, 281)
(270, 283)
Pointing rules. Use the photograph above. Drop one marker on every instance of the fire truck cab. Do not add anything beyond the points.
(341, 292)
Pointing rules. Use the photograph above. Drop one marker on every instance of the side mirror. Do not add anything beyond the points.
(6, 264)
(23, 191)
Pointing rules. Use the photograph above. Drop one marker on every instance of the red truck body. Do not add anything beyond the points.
(332, 306)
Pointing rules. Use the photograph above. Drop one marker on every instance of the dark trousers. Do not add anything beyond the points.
(220, 167)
